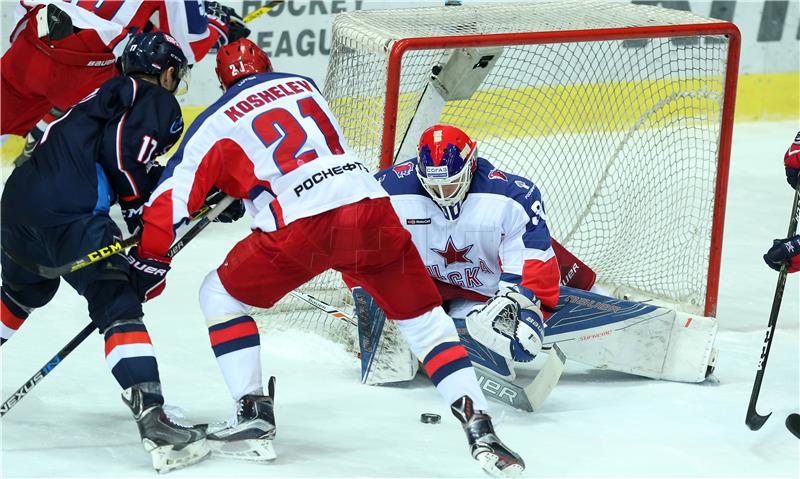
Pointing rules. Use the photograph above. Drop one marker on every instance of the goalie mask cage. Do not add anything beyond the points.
(621, 114)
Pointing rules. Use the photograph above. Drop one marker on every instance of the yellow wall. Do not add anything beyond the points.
(760, 97)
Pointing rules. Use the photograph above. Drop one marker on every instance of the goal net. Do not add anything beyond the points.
(620, 113)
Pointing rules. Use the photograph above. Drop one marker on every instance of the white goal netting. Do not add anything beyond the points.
(620, 127)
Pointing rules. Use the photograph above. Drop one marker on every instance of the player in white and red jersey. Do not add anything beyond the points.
(62, 51)
(272, 141)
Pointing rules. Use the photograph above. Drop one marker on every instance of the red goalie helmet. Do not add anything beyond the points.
(240, 59)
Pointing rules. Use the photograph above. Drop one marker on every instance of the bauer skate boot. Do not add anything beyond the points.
(170, 445)
(249, 435)
(494, 457)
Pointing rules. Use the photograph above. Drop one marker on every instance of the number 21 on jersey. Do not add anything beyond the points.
(279, 126)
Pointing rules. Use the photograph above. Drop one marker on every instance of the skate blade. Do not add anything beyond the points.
(166, 458)
(488, 462)
(253, 450)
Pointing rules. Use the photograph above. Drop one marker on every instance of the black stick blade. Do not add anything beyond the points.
(793, 424)
(755, 420)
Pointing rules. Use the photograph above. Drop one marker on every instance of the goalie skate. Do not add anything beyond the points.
(171, 446)
(249, 435)
(494, 457)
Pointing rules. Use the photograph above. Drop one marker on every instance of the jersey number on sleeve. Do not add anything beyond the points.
(279, 125)
(538, 212)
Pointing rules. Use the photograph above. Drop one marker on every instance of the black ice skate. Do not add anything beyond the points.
(171, 446)
(494, 456)
(249, 436)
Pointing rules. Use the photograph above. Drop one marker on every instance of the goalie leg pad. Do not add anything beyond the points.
(234, 337)
(632, 337)
(385, 355)
(433, 338)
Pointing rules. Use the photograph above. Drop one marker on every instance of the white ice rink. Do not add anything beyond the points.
(596, 423)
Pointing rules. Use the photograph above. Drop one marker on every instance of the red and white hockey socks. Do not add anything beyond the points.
(234, 338)
(130, 354)
(434, 340)
(12, 315)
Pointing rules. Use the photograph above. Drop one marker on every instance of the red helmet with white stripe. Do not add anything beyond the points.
(240, 59)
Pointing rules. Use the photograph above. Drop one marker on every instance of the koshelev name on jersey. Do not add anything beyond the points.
(266, 96)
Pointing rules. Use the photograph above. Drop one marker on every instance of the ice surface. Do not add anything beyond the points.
(596, 423)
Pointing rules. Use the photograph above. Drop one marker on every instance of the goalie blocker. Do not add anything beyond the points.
(596, 330)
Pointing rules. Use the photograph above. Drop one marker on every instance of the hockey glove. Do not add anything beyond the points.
(792, 161)
(232, 213)
(236, 26)
(510, 323)
(148, 275)
(784, 251)
(132, 214)
(218, 20)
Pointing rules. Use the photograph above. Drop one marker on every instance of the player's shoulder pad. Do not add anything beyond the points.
(491, 180)
(401, 179)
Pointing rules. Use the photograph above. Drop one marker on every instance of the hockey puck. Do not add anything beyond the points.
(429, 418)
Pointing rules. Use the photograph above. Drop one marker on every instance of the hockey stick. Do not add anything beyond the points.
(207, 216)
(261, 10)
(324, 307)
(754, 420)
(529, 398)
(100, 254)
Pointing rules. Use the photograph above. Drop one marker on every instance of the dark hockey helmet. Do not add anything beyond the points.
(152, 53)
(240, 59)
(447, 158)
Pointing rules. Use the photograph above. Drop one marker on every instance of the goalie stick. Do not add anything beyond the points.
(529, 398)
(207, 215)
(754, 420)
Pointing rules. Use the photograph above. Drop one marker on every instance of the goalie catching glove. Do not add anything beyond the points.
(510, 323)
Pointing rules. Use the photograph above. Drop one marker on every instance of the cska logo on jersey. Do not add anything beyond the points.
(451, 254)
(404, 169)
(496, 174)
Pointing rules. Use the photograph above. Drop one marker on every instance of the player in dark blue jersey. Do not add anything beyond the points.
(55, 209)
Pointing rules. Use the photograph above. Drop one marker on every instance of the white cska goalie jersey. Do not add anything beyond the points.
(499, 236)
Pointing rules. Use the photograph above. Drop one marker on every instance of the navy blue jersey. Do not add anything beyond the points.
(100, 152)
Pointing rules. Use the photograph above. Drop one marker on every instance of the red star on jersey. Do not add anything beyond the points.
(451, 254)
